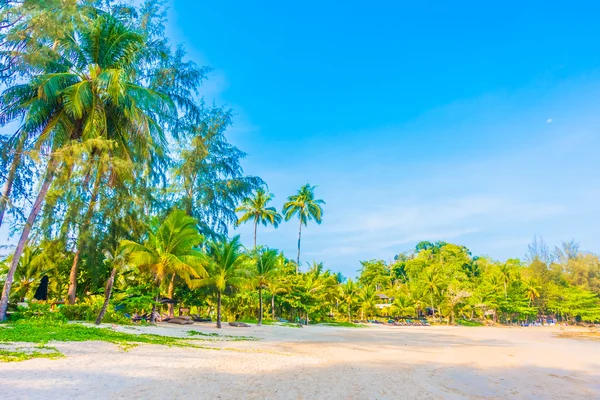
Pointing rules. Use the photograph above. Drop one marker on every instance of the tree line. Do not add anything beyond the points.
(121, 187)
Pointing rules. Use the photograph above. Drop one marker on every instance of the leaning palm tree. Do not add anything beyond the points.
(93, 93)
(227, 266)
(264, 273)
(306, 207)
(170, 248)
(255, 209)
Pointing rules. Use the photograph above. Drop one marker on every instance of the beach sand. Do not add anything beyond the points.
(320, 362)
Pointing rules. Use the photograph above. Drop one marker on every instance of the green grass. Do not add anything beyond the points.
(42, 331)
(230, 338)
(465, 322)
(290, 325)
(344, 324)
(23, 354)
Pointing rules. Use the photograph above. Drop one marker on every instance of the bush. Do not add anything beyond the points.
(465, 322)
(39, 312)
(89, 312)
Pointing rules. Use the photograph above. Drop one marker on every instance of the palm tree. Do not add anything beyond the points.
(402, 306)
(506, 275)
(306, 207)
(367, 299)
(432, 283)
(170, 248)
(92, 94)
(532, 289)
(264, 274)
(226, 263)
(255, 208)
(118, 260)
(348, 292)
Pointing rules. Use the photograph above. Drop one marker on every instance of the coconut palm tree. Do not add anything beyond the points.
(227, 266)
(532, 289)
(255, 209)
(402, 305)
(367, 299)
(169, 249)
(264, 273)
(432, 282)
(306, 207)
(348, 294)
(93, 94)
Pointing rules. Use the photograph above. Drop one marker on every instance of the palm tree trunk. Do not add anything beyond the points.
(432, 307)
(255, 226)
(107, 293)
(273, 306)
(299, 237)
(11, 176)
(72, 294)
(349, 314)
(37, 206)
(260, 307)
(170, 295)
(219, 309)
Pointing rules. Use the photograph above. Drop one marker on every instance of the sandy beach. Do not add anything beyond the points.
(377, 362)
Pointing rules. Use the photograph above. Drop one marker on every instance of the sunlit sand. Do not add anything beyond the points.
(378, 362)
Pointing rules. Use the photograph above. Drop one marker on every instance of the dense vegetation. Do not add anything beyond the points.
(121, 186)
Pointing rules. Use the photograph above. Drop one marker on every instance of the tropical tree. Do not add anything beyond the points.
(264, 273)
(348, 294)
(532, 288)
(432, 282)
(402, 305)
(227, 265)
(93, 93)
(367, 299)
(117, 260)
(171, 248)
(255, 209)
(306, 207)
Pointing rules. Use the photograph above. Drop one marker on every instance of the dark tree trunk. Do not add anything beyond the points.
(37, 205)
(219, 310)
(260, 307)
(107, 293)
(170, 295)
(11, 177)
(273, 306)
(72, 294)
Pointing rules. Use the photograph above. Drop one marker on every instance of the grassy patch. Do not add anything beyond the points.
(23, 353)
(43, 331)
(290, 325)
(344, 324)
(213, 335)
(466, 322)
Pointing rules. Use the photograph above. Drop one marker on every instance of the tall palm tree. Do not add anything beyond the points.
(255, 208)
(306, 207)
(227, 266)
(264, 273)
(93, 93)
(170, 248)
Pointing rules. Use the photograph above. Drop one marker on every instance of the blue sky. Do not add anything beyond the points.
(476, 124)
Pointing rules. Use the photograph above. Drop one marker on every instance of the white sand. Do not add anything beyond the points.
(317, 362)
